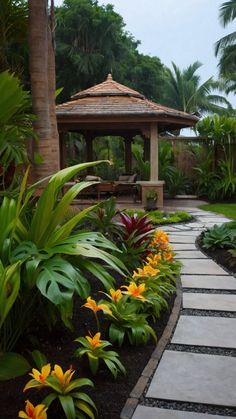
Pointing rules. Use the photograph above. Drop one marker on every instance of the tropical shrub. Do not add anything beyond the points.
(94, 348)
(222, 236)
(161, 218)
(102, 219)
(43, 259)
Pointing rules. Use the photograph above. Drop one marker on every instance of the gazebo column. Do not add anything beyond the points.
(63, 149)
(89, 151)
(153, 152)
(128, 154)
(154, 183)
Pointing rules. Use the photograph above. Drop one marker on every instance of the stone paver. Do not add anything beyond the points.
(196, 378)
(206, 267)
(217, 302)
(205, 331)
(181, 238)
(183, 246)
(185, 233)
(219, 282)
(155, 413)
(190, 254)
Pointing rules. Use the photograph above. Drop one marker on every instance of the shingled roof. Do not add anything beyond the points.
(112, 100)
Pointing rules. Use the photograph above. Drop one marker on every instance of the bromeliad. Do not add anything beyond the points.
(145, 272)
(33, 412)
(39, 377)
(135, 291)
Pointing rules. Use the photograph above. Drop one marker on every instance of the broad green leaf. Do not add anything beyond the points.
(68, 406)
(12, 365)
(39, 359)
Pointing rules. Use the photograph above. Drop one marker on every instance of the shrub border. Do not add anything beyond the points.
(139, 388)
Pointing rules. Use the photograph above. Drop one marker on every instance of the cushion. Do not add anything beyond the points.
(124, 178)
(90, 178)
(132, 178)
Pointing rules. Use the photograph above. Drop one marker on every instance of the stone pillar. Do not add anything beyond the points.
(153, 152)
(128, 154)
(63, 149)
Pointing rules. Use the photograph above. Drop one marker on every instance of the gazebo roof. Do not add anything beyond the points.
(113, 102)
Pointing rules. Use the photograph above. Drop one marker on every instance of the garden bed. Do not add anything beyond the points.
(108, 394)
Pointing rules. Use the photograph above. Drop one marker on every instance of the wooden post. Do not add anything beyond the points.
(128, 154)
(63, 149)
(153, 152)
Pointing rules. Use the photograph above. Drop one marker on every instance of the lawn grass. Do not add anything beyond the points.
(229, 210)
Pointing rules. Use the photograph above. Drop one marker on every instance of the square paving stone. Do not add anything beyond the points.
(183, 246)
(181, 238)
(155, 413)
(217, 302)
(196, 378)
(219, 282)
(206, 331)
(185, 233)
(190, 254)
(206, 267)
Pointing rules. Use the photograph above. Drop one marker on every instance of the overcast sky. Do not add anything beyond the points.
(181, 31)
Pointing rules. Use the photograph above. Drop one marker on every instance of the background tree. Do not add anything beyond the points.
(226, 47)
(184, 91)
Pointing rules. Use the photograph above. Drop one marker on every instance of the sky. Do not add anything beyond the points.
(182, 31)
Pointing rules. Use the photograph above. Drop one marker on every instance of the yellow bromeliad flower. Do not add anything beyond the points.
(168, 256)
(160, 240)
(92, 305)
(145, 272)
(64, 378)
(33, 412)
(154, 260)
(135, 290)
(95, 340)
(116, 295)
(39, 377)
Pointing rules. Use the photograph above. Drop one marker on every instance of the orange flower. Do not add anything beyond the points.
(160, 240)
(94, 341)
(33, 412)
(116, 295)
(145, 272)
(64, 378)
(168, 256)
(39, 377)
(92, 305)
(153, 260)
(135, 290)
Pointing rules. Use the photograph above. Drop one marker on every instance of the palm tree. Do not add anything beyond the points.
(184, 91)
(226, 46)
(42, 72)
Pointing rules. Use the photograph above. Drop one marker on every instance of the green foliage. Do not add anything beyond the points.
(102, 219)
(12, 365)
(94, 348)
(43, 258)
(223, 236)
(15, 126)
(161, 218)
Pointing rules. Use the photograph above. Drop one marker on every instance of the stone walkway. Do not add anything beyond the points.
(196, 377)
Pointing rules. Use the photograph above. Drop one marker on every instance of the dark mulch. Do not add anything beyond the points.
(108, 394)
(220, 256)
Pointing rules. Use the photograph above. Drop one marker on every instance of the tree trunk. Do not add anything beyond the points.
(42, 71)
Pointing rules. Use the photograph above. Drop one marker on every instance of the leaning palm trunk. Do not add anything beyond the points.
(42, 70)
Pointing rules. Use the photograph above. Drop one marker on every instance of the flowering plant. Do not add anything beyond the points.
(74, 403)
(94, 348)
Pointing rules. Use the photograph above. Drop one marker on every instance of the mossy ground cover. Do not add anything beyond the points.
(161, 218)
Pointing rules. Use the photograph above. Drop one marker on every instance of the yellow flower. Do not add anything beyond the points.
(92, 305)
(153, 260)
(39, 377)
(146, 271)
(64, 378)
(116, 295)
(168, 256)
(160, 240)
(135, 290)
(33, 412)
(94, 341)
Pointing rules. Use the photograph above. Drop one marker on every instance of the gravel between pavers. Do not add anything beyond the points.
(208, 313)
(201, 349)
(207, 291)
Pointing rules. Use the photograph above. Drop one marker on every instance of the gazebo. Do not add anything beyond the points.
(110, 108)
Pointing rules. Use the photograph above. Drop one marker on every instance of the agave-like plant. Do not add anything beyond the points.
(49, 257)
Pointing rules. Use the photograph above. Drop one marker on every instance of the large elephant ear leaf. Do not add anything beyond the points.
(57, 280)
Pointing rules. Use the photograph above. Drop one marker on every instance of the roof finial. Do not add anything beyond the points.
(109, 77)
